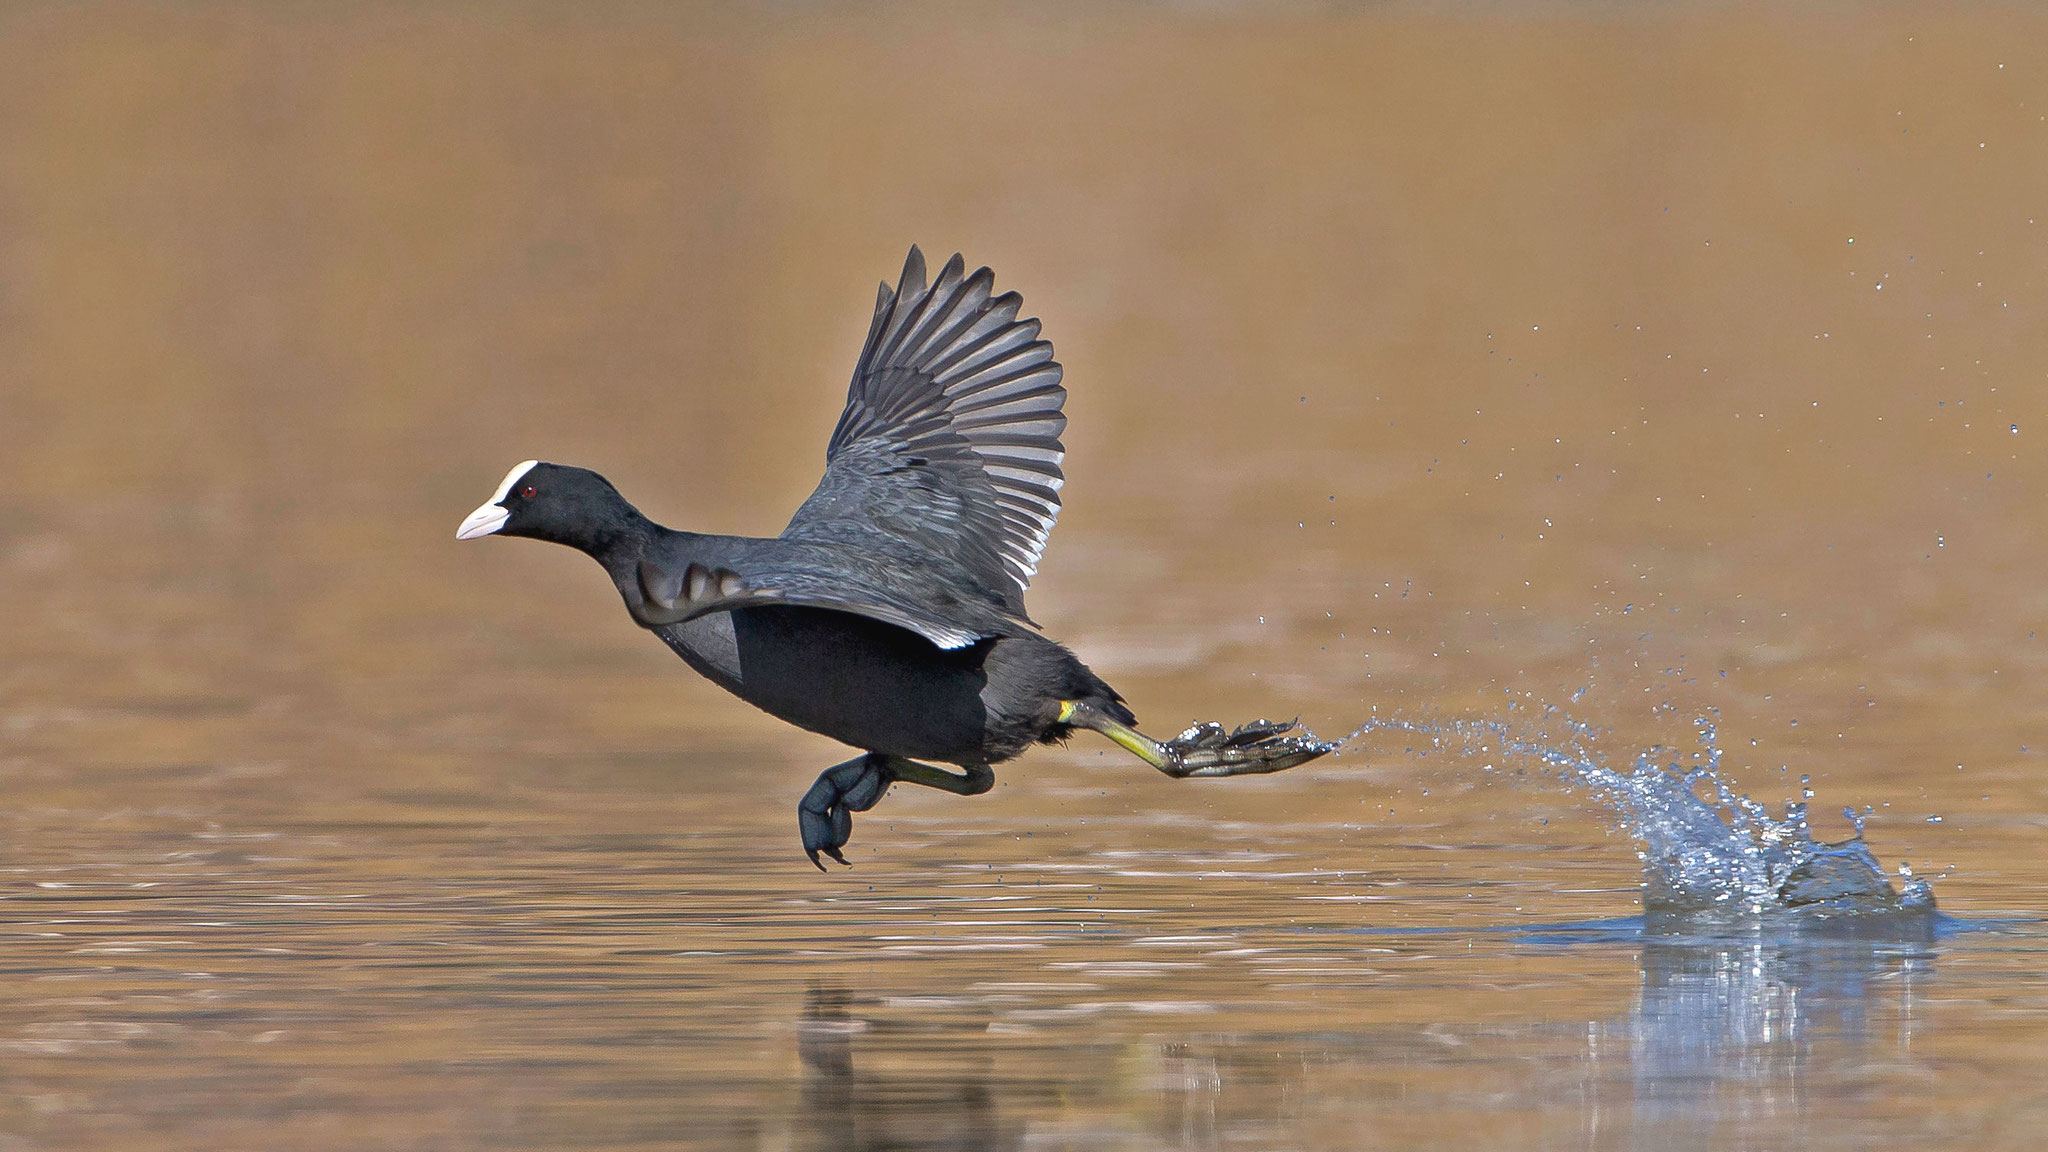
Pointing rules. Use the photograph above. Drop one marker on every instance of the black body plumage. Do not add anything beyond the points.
(841, 672)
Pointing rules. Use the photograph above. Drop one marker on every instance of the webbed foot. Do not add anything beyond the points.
(1261, 746)
(1206, 749)
(825, 815)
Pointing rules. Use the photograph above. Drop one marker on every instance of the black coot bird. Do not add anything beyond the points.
(890, 613)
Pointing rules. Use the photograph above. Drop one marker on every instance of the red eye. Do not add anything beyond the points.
(527, 491)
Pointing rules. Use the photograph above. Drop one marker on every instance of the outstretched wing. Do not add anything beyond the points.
(951, 436)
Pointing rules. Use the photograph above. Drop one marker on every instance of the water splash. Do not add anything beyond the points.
(1707, 849)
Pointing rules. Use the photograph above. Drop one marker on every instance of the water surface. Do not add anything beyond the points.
(1649, 363)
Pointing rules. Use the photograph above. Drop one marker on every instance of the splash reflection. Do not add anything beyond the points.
(1731, 1029)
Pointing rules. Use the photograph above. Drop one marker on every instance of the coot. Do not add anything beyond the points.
(889, 614)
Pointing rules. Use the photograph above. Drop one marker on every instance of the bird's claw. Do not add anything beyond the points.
(824, 817)
(1208, 749)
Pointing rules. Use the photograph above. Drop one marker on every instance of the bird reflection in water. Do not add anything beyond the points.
(948, 1101)
(1728, 1028)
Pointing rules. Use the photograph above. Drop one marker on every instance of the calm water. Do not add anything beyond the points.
(1428, 367)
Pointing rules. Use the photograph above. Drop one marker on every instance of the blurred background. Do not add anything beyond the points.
(1649, 361)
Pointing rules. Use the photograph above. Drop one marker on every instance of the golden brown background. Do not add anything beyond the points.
(1421, 357)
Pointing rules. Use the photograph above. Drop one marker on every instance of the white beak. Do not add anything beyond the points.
(493, 514)
(482, 522)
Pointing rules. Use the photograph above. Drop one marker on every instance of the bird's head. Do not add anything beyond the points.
(552, 502)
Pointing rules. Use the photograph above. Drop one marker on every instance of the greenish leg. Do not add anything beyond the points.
(975, 780)
(1082, 714)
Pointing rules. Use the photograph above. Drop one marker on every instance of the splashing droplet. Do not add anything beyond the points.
(1706, 849)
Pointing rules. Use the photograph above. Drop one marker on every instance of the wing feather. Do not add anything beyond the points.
(950, 440)
(674, 590)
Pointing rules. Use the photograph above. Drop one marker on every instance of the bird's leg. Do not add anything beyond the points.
(825, 815)
(1206, 749)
